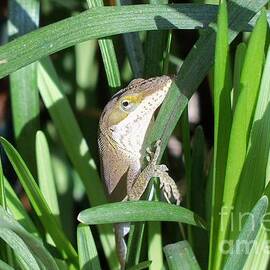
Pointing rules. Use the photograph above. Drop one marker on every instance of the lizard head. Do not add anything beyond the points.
(138, 101)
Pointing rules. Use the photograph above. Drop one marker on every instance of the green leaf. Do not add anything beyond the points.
(166, 62)
(97, 24)
(75, 146)
(187, 158)
(267, 193)
(180, 256)
(20, 248)
(244, 110)
(24, 17)
(154, 245)
(5, 266)
(28, 247)
(132, 211)
(258, 258)
(18, 211)
(45, 173)
(154, 48)
(238, 66)
(222, 122)
(2, 187)
(243, 244)
(198, 204)
(261, 115)
(264, 93)
(243, 116)
(45, 176)
(62, 265)
(187, 153)
(88, 256)
(4, 250)
(86, 63)
(253, 176)
(141, 265)
(134, 245)
(38, 202)
(134, 48)
(108, 55)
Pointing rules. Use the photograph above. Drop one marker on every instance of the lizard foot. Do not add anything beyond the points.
(167, 184)
(169, 188)
(154, 170)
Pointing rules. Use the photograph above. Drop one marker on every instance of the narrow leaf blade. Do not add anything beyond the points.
(132, 211)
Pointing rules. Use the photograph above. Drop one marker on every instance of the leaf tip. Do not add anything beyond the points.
(264, 198)
(80, 217)
(3, 140)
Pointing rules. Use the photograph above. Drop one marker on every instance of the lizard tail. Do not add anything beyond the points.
(121, 230)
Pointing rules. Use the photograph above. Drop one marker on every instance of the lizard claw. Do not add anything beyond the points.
(151, 156)
(161, 168)
(148, 151)
(148, 158)
(157, 152)
(158, 143)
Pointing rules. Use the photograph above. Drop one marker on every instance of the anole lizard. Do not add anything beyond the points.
(123, 126)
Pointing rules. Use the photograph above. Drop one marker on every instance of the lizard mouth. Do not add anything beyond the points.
(157, 111)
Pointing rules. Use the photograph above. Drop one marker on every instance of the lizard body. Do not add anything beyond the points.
(122, 130)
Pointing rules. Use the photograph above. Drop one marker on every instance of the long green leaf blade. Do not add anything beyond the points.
(108, 55)
(198, 204)
(238, 65)
(155, 45)
(14, 231)
(154, 245)
(134, 48)
(24, 17)
(258, 258)
(45, 173)
(18, 246)
(5, 266)
(17, 209)
(134, 244)
(106, 21)
(250, 79)
(132, 211)
(253, 178)
(3, 201)
(37, 200)
(222, 122)
(88, 256)
(140, 266)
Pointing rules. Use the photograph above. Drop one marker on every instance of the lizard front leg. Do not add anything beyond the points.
(154, 170)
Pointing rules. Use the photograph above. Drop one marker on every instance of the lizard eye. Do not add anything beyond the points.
(126, 105)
